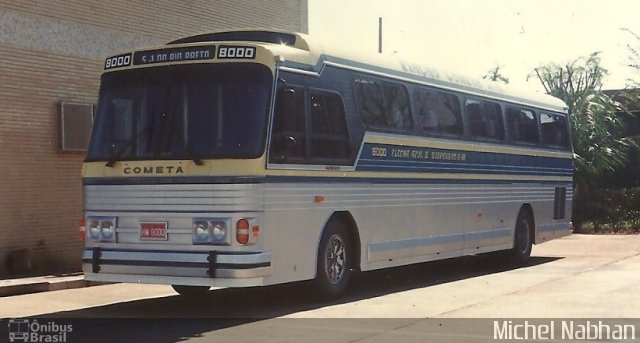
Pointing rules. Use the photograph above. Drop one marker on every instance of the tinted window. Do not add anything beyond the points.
(309, 132)
(523, 125)
(288, 140)
(182, 112)
(485, 119)
(328, 137)
(438, 113)
(555, 132)
(383, 105)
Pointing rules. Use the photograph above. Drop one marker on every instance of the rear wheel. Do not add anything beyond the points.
(334, 261)
(523, 238)
(191, 291)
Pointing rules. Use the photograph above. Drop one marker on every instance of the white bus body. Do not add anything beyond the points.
(194, 178)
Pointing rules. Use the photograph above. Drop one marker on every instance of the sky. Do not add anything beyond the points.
(474, 36)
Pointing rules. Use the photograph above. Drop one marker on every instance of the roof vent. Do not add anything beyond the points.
(251, 36)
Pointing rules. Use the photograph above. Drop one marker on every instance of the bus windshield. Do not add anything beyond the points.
(182, 112)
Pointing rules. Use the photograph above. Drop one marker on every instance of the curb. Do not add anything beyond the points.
(43, 284)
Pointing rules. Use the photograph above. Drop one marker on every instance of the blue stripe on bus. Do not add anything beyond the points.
(167, 180)
(394, 158)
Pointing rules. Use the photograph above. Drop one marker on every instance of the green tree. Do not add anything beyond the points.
(633, 58)
(597, 128)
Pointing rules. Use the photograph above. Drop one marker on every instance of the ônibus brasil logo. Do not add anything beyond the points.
(32, 331)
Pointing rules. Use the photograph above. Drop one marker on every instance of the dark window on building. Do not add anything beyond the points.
(311, 132)
(383, 105)
(523, 125)
(438, 113)
(555, 131)
(485, 119)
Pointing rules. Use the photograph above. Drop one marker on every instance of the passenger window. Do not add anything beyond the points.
(383, 105)
(555, 131)
(329, 138)
(288, 140)
(309, 132)
(485, 119)
(523, 125)
(438, 113)
(370, 102)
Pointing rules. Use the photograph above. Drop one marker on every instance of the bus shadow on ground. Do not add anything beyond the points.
(176, 318)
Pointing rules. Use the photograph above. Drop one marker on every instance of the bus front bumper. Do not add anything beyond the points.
(205, 268)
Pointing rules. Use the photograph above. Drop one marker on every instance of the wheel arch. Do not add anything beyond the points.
(349, 223)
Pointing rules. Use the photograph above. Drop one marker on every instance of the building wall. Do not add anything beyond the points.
(53, 51)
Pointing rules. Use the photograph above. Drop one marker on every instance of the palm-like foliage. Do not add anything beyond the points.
(597, 136)
(596, 126)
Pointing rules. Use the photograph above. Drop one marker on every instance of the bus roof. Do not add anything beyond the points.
(299, 51)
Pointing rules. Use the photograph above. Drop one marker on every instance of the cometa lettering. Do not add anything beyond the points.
(150, 170)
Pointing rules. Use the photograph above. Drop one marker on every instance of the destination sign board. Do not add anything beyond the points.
(190, 53)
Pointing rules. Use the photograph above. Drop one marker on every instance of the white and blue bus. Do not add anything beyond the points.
(253, 158)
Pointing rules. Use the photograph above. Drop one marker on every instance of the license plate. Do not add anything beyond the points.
(153, 231)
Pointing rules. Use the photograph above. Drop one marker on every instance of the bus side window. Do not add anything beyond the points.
(450, 114)
(523, 125)
(398, 114)
(288, 140)
(554, 130)
(438, 113)
(370, 102)
(383, 105)
(329, 138)
(485, 120)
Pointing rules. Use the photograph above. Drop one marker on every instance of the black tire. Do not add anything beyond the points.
(334, 261)
(523, 238)
(191, 291)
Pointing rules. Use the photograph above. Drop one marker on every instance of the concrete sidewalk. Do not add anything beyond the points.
(35, 284)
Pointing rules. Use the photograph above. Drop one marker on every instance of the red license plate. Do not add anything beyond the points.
(156, 231)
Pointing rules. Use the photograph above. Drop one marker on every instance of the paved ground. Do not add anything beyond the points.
(578, 276)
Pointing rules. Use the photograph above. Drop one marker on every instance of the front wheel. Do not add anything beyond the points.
(523, 238)
(334, 261)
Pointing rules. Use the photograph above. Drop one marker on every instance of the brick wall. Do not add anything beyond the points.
(52, 51)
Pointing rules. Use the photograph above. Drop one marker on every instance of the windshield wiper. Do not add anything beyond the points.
(185, 144)
(112, 161)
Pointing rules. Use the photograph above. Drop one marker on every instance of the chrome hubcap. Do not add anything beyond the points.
(335, 259)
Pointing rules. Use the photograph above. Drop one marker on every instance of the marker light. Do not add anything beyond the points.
(82, 229)
(247, 231)
(242, 231)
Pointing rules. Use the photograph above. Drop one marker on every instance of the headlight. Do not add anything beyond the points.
(211, 231)
(94, 229)
(219, 231)
(200, 232)
(108, 230)
(102, 229)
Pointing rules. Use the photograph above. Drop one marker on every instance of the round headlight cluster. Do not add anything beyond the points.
(102, 228)
(210, 231)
